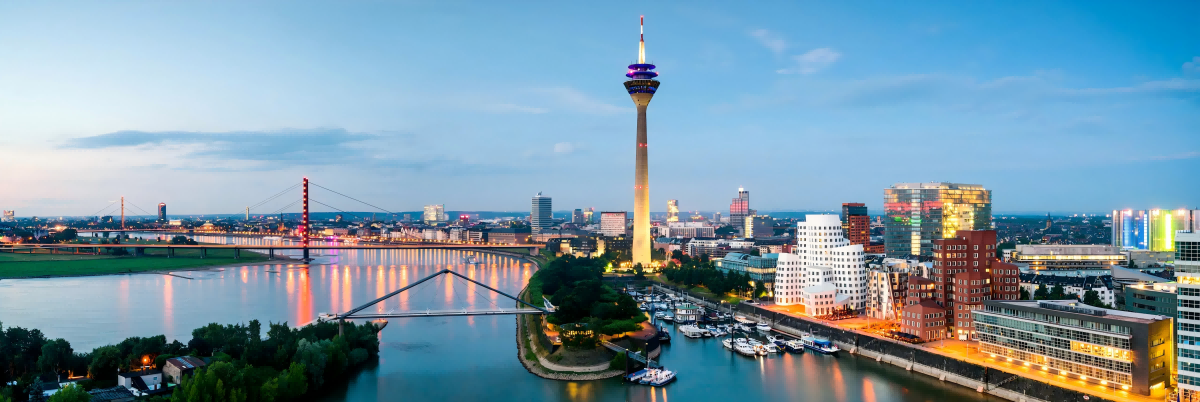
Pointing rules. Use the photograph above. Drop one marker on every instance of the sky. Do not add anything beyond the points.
(210, 107)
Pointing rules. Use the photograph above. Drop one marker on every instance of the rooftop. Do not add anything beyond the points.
(1075, 307)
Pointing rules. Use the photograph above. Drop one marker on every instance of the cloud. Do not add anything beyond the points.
(512, 108)
(274, 150)
(813, 61)
(564, 148)
(575, 100)
(1192, 66)
(771, 41)
(1185, 155)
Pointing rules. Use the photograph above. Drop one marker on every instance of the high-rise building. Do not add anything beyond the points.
(672, 210)
(967, 272)
(856, 222)
(588, 216)
(9, 216)
(612, 223)
(739, 209)
(919, 213)
(759, 226)
(162, 212)
(434, 213)
(540, 217)
(1152, 230)
(1187, 279)
(829, 273)
(641, 86)
(577, 216)
(716, 217)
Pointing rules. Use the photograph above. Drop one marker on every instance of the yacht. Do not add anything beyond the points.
(660, 315)
(819, 344)
(777, 340)
(728, 343)
(691, 331)
(668, 317)
(771, 348)
(660, 377)
(742, 320)
(763, 327)
(636, 376)
(794, 346)
(744, 349)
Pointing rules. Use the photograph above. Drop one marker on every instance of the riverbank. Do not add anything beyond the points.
(28, 266)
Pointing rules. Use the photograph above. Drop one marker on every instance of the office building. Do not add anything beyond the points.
(856, 222)
(967, 273)
(612, 223)
(716, 248)
(641, 85)
(1069, 260)
(577, 217)
(830, 274)
(919, 213)
(1113, 348)
(739, 209)
(587, 216)
(1152, 230)
(509, 236)
(9, 216)
(716, 217)
(540, 217)
(687, 229)
(759, 226)
(1187, 282)
(434, 214)
(672, 210)
(759, 269)
(162, 212)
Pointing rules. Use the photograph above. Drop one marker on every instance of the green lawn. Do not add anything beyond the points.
(46, 265)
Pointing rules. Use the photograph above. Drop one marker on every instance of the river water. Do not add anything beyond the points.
(445, 359)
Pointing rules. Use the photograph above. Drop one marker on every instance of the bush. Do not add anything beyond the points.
(618, 362)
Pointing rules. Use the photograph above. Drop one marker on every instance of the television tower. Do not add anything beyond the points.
(641, 86)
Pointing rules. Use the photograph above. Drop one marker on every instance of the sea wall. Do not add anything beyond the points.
(911, 357)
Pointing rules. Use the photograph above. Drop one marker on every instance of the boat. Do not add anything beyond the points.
(668, 317)
(744, 349)
(819, 344)
(772, 349)
(763, 327)
(661, 377)
(728, 343)
(663, 335)
(691, 331)
(379, 324)
(636, 376)
(744, 328)
(742, 320)
(777, 340)
(794, 346)
(470, 260)
(759, 348)
(659, 315)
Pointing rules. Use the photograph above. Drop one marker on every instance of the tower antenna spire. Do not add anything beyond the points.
(642, 40)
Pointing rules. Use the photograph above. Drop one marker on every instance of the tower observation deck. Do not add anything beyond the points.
(641, 86)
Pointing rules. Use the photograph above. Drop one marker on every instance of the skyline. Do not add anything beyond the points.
(1072, 109)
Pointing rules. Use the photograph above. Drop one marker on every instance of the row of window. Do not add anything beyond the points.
(1053, 331)
(1120, 329)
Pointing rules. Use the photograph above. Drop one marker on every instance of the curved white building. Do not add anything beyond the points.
(825, 272)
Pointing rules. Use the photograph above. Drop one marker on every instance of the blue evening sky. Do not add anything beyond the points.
(1062, 106)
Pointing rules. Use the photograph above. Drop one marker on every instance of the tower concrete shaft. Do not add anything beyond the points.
(641, 86)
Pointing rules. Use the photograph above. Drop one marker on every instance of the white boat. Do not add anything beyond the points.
(691, 331)
(668, 317)
(728, 343)
(794, 346)
(819, 344)
(763, 327)
(660, 378)
(660, 315)
(778, 341)
(742, 320)
(636, 376)
(744, 349)
(771, 348)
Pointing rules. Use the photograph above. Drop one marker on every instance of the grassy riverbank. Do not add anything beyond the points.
(58, 265)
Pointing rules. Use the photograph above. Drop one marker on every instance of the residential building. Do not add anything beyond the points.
(177, 367)
(967, 273)
(1152, 229)
(669, 244)
(114, 394)
(760, 269)
(1069, 260)
(142, 380)
(856, 222)
(739, 209)
(831, 274)
(613, 223)
(919, 213)
(540, 216)
(434, 214)
(672, 210)
(921, 315)
(622, 244)
(1073, 286)
(887, 290)
(1113, 348)
(1187, 278)
(776, 245)
(759, 226)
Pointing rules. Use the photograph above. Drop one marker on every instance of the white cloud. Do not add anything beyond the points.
(564, 148)
(573, 99)
(813, 61)
(770, 40)
(1192, 66)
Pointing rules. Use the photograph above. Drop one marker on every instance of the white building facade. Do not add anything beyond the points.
(1187, 278)
(612, 224)
(830, 274)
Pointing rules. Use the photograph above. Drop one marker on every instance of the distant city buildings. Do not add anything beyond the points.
(613, 223)
(588, 216)
(759, 226)
(9, 216)
(577, 217)
(919, 213)
(672, 210)
(162, 212)
(434, 214)
(686, 230)
(739, 209)
(540, 216)
(1152, 230)
(1069, 260)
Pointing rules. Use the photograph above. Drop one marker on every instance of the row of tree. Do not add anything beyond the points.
(1058, 292)
(246, 366)
(575, 287)
(701, 271)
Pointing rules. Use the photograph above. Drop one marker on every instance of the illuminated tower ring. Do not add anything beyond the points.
(641, 86)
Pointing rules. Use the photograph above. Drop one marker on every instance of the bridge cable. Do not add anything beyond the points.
(97, 213)
(336, 209)
(139, 208)
(269, 199)
(285, 207)
(352, 198)
(468, 283)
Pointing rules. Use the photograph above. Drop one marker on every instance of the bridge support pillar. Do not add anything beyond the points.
(341, 331)
(140, 251)
(306, 259)
(170, 252)
(534, 251)
(271, 253)
(203, 252)
(237, 253)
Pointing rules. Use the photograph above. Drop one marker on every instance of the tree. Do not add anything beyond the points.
(760, 289)
(1092, 298)
(638, 271)
(312, 356)
(1058, 292)
(106, 360)
(1041, 293)
(56, 354)
(1024, 293)
(755, 252)
(71, 393)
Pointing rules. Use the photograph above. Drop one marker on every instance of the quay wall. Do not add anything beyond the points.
(912, 357)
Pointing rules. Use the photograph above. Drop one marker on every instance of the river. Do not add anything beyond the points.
(449, 358)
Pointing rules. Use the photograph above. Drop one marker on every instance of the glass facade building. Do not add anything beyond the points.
(918, 213)
(1152, 229)
(1187, 293)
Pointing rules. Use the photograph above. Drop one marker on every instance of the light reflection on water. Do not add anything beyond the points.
(448, 358)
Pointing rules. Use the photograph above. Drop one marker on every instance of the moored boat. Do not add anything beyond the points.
(819, 344)
(763, 327)
(744, 349)
(636, 376)
(728, 343)
(794, 346)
